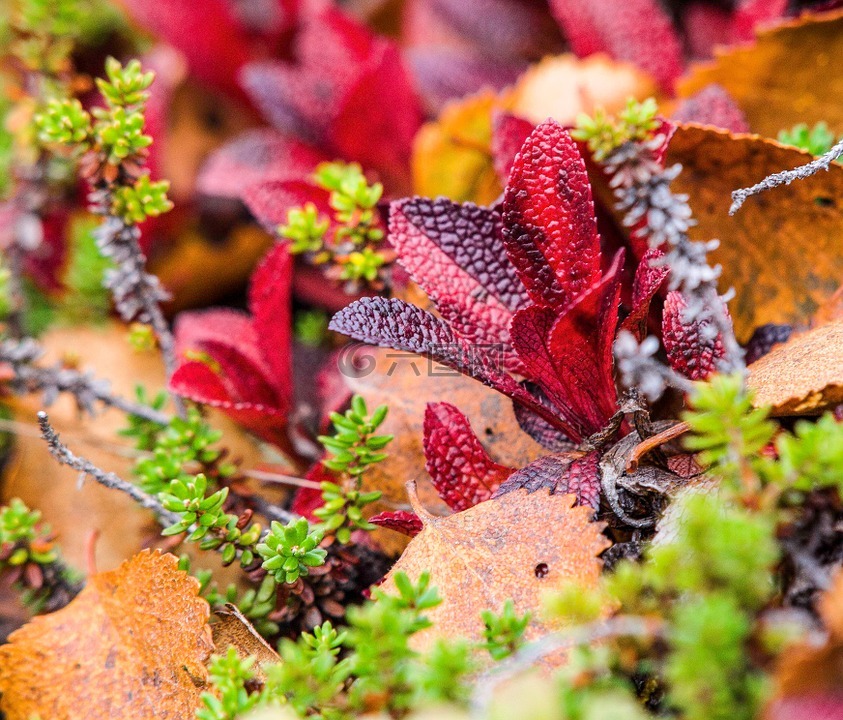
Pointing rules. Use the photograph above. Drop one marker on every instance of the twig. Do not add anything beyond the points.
(87, 389)
(110, 480)
(137, 294)
(529, 655)
(739, 197)
(281, 479)
(654, 441)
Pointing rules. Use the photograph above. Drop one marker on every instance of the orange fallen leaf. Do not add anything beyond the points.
(393, 381)
(803, 376)
(452, 156)
(133, 644)
(782, 251)
(787, 76)
(811, 670)
(518, 546)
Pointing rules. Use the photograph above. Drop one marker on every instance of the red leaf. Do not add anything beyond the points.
(218, 325)
(455, 254)
(270, 301)
(196, 381)
(271, 200)
(688, 349)
(648, 280)
(751, 13)
(712, 106)
(550, 231)
(254, 157)
(398, 325)
(401, 521)
(638, 31)
(537, 428)
(376, 134)
(207, 33)
(509, 133)
(570, 357)
(563, 474)
(462, 472)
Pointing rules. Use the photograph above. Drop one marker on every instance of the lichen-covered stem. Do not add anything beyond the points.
(740, 196)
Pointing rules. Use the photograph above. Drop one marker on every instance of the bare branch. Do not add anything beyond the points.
(85, 388)
(786, 177)
(110, 480)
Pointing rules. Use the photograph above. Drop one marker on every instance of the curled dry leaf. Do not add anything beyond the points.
(133, 644)
(233, 629)
(782, 252)
(517, 546)
(776, 79)
(803, 376)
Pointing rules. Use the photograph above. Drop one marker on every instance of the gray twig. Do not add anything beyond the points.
(108, 479)
(786, 177)
(529, 655)
(137, 294)
(21, 356)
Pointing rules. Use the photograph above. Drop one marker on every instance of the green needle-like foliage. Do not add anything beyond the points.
(604, 133)
(23, 537)
(288, 551)
(229, 676)
(504, 633)
(817, 140)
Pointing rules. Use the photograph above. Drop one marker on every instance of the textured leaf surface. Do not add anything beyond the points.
(462, 472)
(570, 357)
(407, 523)
(803, 375)
(398, 325)
(689, 351)
(550, 231)
(712, 106)
(566, 473)
(635, 30)
(456, 255)
(518, 546)
(133, 644)
(648, 281)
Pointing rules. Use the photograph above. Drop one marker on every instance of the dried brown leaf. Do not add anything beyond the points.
(787, 76)
(782, 251)
(133, 644)
(233, 629)
(803, 376)
(518, 546)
